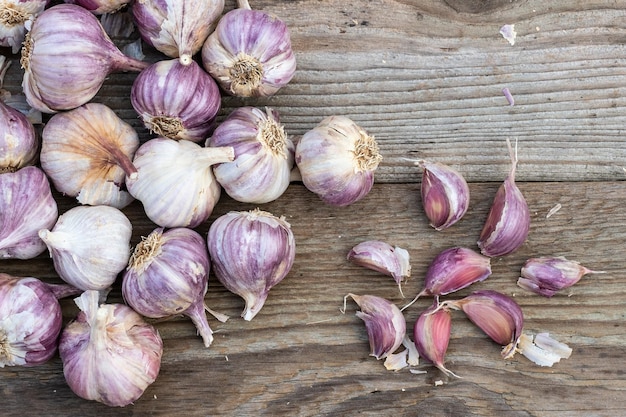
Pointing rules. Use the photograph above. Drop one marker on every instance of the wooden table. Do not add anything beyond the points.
(425, 77)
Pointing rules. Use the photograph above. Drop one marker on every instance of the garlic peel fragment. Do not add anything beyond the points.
(543, 350)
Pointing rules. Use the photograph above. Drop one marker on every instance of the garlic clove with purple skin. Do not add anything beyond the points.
(66, 57)
(14, 16)
(87, 154)
(337, 160)
(177, 28)
(175, 182)
(549, 274)
(251, 252)
(89, 246)
(384, 322)
(384, 258)
(508, 221)
(249, 53)
(30, 320)
(99, 7)
(167, 275)
(176, 101)
(445, 194)
(26, 206)
(109, 353)
(264, 155)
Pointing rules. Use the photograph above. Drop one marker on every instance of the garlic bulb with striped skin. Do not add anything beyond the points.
(26, 206)
(14, 15)
(174, 27)
(100, 6)
(19, 144)
(264, 156)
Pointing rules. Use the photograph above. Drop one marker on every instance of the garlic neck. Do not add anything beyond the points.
(215, 155)
(243, 4)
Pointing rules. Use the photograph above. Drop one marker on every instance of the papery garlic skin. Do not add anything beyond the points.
(30, 320)
(109, 353)
(89, 245)
(14, 15)
(175, 182)
(176, 101)
(337, 160)
(431, 334)
(167, 274)
(251, 252)
(26, 206)
(66, 57)
(445, 194)
(543, 350)
(100, 6)
(384, 258)
(384, 322)
(87, 153)
(264, 156)
(549, 274)
(176, 28)
(19, 144)
(508, 221)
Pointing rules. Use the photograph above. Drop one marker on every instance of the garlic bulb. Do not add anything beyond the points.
(176, 101)
(249, 54)
(66, 57)
(264, 156)
(26, 205)
(337, 160)
(89, 245)
(251, 252)
(100, 6)
(176, 28)
(167, 275)
(87, 154)
(30, 320)
(109, 353)
(175, 182)
(14, 15)
(18, 142)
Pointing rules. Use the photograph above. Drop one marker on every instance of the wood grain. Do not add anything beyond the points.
(425, 78)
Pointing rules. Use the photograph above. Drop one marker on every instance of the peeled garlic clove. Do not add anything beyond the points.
(431, 333)
(508, 222)
(26, 206)
(249, 53)
(384, 322)
(89, 246)
(549, 274)
(100, 6)
(87, 154)
(176, 28)
(454, 269)
(384, 258)
(109, 353)
(337, 160)
(18, 142)
(496, 314)
(175, 182)
(264, 156)
(445, 194)
(66, 57)
(251, 252)
(167, 274)
(176, 101)
(14, 15)
(30, 320)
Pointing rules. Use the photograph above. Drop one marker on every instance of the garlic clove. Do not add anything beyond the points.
(384, 258)
(454, 269)
(384, 322)
(251, 252)
(431, 333)
(337, 160)
(264, 155)
(547, 275)
(14, 17)
(26, 206)
(508, 221)
(445, 194)
(89, 245)
(496, 314)
(87, 154)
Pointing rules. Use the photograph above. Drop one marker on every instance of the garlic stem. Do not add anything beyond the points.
(196, 313)
(254, 303)
(219, 316)
(62, 290)
(243, 4)
(211, 156)
(126, 63)
(122, 160)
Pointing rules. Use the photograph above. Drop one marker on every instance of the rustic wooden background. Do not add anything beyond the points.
(425, 78)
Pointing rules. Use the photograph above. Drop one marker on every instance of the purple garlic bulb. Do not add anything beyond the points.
(18, 142)
(100, 6)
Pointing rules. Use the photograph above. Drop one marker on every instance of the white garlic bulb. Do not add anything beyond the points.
(89, 246)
